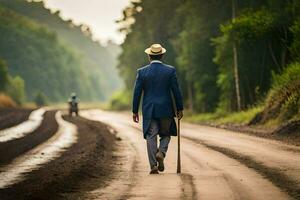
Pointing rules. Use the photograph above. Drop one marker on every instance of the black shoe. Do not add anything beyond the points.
(160, 159)
(154, 170)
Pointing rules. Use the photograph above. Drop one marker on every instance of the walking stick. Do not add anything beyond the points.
(178, 149)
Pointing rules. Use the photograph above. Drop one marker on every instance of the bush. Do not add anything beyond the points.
(295, 49)
(242, 117)
(6, 101)
(12, 87)
(3, 75)
(40, 99)
(16, 89)
(250, 25)
(120, 100)
(283, 100)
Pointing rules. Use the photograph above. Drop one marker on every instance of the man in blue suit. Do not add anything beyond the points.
(158, 84)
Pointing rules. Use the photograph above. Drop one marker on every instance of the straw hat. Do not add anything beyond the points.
(155, 49)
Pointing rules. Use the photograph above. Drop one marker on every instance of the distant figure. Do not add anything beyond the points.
(73, 104)
(158, 82)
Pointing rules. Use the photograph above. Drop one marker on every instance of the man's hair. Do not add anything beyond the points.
(156, 57)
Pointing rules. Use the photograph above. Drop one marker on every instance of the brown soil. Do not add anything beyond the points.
(11, 149)
(276, 177)
(85, 166)
(12, 116)
(290, 128)
(286, 133)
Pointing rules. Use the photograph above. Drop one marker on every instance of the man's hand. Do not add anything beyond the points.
(135, 117)
(179, 114)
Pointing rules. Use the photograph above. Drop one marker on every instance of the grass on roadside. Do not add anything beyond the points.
(242, 117)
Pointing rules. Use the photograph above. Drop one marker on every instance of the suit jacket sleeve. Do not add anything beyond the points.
(138, 89)
(176, 91)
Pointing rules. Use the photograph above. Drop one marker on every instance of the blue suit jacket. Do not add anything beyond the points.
(157, 82)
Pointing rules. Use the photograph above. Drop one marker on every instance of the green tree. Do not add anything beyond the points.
(195, 52)
(200, 36)
(295, 48)
(40, 99)
(16, 89)
(145, 23)
(97, 62)
(3, 75)
(40, 58)
(263, 42)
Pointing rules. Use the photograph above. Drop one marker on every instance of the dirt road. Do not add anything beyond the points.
(60, 157)
(216, 164)
(12, 116)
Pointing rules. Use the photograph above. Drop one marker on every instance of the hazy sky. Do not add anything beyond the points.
(100, 15)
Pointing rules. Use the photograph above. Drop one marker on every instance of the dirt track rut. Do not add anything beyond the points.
(208, 173)
(85, 159)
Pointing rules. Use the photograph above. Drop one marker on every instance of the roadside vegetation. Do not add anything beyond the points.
(12, 91)
(237, 61)
(40, 99)
(233, 118)
(282, 104)
(283, 100)
(120, 101)
(6, 101)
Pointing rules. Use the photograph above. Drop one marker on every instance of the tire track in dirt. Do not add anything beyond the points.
(208, 174)
(188, 190)
(273, 154)
(34, 121)
(229, 178)
(83, 167)
(223, 180)
(144, 186)
(65, 137)
(188, 187)
(11, 149)
(272, 174)
(10, 117)
(123, 178)
(132, 174)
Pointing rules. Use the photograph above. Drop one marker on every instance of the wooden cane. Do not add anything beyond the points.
(178, 149)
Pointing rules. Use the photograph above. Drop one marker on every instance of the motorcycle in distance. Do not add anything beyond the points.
(73, 104)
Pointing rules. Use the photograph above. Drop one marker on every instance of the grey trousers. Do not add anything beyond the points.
(157, 126)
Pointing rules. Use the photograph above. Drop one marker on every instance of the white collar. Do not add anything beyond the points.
(155, 61)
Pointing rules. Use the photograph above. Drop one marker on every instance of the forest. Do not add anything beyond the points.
(230, 55)
(47, 55)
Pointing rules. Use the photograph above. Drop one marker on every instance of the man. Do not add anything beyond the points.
(73, 104)
(158, 83)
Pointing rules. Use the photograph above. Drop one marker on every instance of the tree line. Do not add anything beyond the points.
(54, 57)
(227, 53)
(36, 54)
